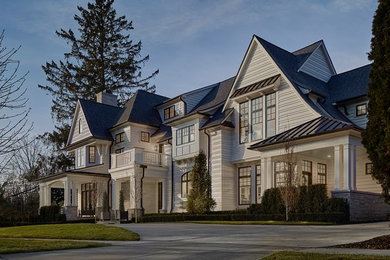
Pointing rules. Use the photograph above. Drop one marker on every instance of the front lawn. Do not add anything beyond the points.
(310, 256)
(9, 246)
(258, 222)
(70, 231)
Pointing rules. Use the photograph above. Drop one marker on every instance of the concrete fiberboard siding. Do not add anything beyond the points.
(258, 65)
(317, 65)
(360, 121)
(76, 136)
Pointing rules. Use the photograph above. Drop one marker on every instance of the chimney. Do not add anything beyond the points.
(106, 97)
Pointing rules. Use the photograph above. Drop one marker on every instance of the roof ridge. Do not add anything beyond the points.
(296, 52)
(258, 37)
(147, 92)
(351, 70)
(95, 102)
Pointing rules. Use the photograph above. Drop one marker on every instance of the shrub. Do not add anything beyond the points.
(105, 202)
(51, 214)
(121, 201)
(312, 199)
(272, 202)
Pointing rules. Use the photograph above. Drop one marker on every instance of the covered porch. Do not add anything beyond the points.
(82, 193)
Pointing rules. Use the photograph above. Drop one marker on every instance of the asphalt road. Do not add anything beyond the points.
(198, 241)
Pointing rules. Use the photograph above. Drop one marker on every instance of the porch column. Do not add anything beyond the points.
(253, 184)
(47, 195)
(41, 195)
(269, 173)
(336, 167)
(165, 195)
(354, 167)
(74, 193)
(262, 169)
(113, 194)
(67, 192)
(347, 166)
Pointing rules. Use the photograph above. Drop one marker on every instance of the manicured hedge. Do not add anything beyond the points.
(51, 214)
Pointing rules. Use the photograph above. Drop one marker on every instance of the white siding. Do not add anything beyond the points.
(365, 182)
(127, 142)
(75, 135)
(360, 121)
(224, 189)
(317, 65)
(187, 150)
(136, 138)
(179, 168)
(258, 66)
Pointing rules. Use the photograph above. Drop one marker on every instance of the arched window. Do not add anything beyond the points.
(80, 127)
(185, 185)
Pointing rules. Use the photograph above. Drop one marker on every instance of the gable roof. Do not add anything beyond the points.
(318, 126)
(140, 109)
(100, 117)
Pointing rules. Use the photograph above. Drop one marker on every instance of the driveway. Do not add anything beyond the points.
(198, 241)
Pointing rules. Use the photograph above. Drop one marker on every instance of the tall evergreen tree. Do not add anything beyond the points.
(376, 137)
(199, 200)
(102, 57)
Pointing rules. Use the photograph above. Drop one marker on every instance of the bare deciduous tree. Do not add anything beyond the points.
(291, 180)
(13, 111)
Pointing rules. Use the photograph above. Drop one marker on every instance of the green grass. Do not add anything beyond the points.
(258, 222)
(290, 255)
(9, 246)
(70, 231)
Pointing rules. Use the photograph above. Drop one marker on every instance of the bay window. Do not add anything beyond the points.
(270, 101)
(244, 122)
(185, 135)
(257, 118)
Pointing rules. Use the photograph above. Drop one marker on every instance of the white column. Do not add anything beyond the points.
(354, 167)
(269, 173)
(253, 184)
(47, 195)
(165, 195)
(41, 195)
(113, 195)
(262, 169)
(74, 193)
(347, 166)
(336, 167)
(67, 186)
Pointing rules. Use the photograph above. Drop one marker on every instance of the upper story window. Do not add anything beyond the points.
(145, 137)
(91, 154)
(80, 126)
(361, 110)
(251, 118)
(270, 101)
(171, 112)
(185, 135)
(244, 122)
(80, 157)
(119, 138)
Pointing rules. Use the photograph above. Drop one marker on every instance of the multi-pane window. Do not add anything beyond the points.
(244, 122)
(119, 138)
(185, 135)
(171, 112)
(185, 185)
(145, 136)
(244, 185)
(361, 109)
(120, 150)
(88, 197)
(80, 157)
(281, 170)
(307, 172)
(257, 118)
(270, 102)
(321, 173)
(258, 184)
(368, 168)
(91, 154)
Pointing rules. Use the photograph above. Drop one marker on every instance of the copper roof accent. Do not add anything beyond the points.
(255, 86)
(320, 125)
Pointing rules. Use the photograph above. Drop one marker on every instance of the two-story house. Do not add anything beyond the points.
(141, 154)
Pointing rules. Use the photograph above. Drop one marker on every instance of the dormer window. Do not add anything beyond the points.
(80, 127)
(145, 137)
(171, 112)
(119, 138)
(361, 110)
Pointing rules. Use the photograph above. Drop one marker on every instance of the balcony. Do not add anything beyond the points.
(139, 156)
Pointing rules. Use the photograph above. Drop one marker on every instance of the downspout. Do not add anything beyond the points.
(171, 176)
(142, 181)
(110, 179)
(208, 149)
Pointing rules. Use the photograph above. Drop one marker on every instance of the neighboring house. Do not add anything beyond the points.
(146, 149)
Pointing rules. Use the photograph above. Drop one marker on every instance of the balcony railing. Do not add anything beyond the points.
(139, 156)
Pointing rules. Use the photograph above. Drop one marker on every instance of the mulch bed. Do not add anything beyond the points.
(382, 242)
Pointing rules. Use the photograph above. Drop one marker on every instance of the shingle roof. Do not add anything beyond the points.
(318, 126)
(140, 109)
(349, 84)
(219, 118)
(163, 133)
(255, 86)
(100, 117)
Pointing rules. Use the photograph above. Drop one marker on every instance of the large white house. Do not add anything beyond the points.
(145, 150)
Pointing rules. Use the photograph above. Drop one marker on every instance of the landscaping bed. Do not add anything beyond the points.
(80, 231)
(382, 242)
(10, 246)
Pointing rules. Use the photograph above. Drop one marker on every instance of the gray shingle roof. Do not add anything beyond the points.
(219, 118)
(100, 117)
(318, 126)
(140, 109)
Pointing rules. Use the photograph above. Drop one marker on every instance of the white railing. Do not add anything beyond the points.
(139, 156)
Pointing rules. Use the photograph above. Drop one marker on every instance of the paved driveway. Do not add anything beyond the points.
(196, 241)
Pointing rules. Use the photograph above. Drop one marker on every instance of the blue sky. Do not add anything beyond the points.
(192, 43)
